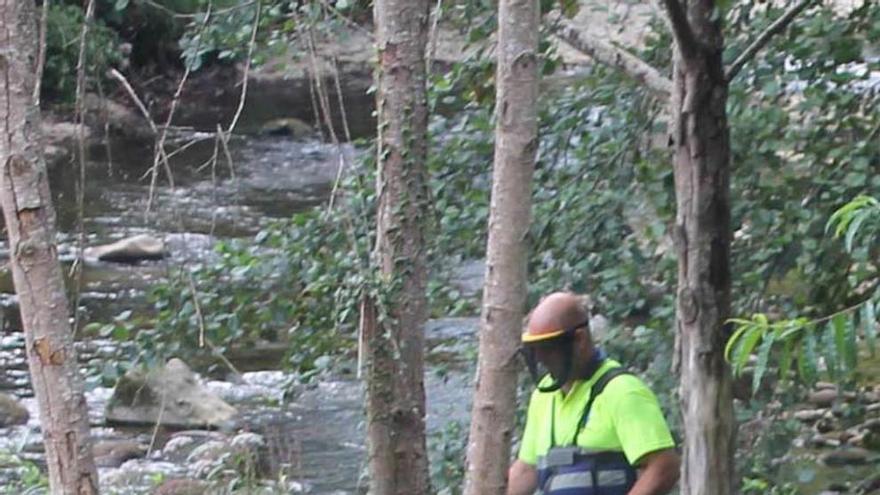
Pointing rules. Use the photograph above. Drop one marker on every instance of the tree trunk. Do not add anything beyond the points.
(393, 325)
(702, 185)
(492, 417)
(30, 224)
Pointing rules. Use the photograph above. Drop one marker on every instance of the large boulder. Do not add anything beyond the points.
(11, 412)
(129, 250)
(171, 396)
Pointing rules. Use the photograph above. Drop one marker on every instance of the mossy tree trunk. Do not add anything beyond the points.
(393, 321)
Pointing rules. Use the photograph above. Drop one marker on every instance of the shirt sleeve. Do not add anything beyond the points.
(528, 450)
(639, 422)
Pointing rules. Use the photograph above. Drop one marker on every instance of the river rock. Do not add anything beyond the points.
(823, 398)
(171, 394)
(825, 425)
(129, 250)
(809, 415)
(112, 453)
(871, 485)
(871, 425)
(11, 412)
(244, 451)
(291, 127)
(847, 456)
(182, 487)
(823, 441)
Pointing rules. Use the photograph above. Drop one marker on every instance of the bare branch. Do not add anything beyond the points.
(761, 41)
(432, 35)
(115, 74)
(610, 55)
(681, 27)
(41, 53)
(247, 68)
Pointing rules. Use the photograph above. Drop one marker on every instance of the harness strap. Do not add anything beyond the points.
(595, 390)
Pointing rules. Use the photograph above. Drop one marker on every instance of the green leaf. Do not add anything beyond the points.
(744, 350)
(807, 360)
(869, 322)
(786, 359)
(854, 226)
(121, 333)
(838, 325)
(763, 359)
(830, 349)
(742, 325)
(120, 5)
(787, 331)
(850, 346)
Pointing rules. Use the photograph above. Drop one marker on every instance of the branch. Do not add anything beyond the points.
(610, 55)
(681, 28)
(777, 27)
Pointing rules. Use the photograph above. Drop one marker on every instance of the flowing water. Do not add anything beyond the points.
(317, 431)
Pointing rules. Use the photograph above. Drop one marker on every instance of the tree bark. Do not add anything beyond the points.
(701, 138)
(516, 142)
(30, 225)
(393, 326)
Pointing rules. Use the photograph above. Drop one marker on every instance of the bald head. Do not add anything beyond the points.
(557, 311)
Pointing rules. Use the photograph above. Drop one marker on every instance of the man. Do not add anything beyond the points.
(613, 442)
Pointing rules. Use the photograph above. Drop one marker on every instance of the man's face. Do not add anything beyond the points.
(552, 357)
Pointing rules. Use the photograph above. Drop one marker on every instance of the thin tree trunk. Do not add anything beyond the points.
(701, 139)
(393, 326)
(30, 225)
(492, 417)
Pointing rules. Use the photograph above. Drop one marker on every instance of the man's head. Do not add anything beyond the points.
(558, 335)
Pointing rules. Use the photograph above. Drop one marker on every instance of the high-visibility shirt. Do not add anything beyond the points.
(625, 417)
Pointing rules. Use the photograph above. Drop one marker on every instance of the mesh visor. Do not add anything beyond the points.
(549, 357)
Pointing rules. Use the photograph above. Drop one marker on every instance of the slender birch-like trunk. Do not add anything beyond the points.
(516, 143)
(30, 227)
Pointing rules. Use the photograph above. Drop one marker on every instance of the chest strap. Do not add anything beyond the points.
(595, 390)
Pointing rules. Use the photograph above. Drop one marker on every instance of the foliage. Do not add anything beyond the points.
(447, 448)
(27, 480)
(283, 287)
(801, 119)
(63, 30)
(833, 338)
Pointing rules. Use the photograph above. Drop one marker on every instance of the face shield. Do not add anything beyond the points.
(550, 353)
